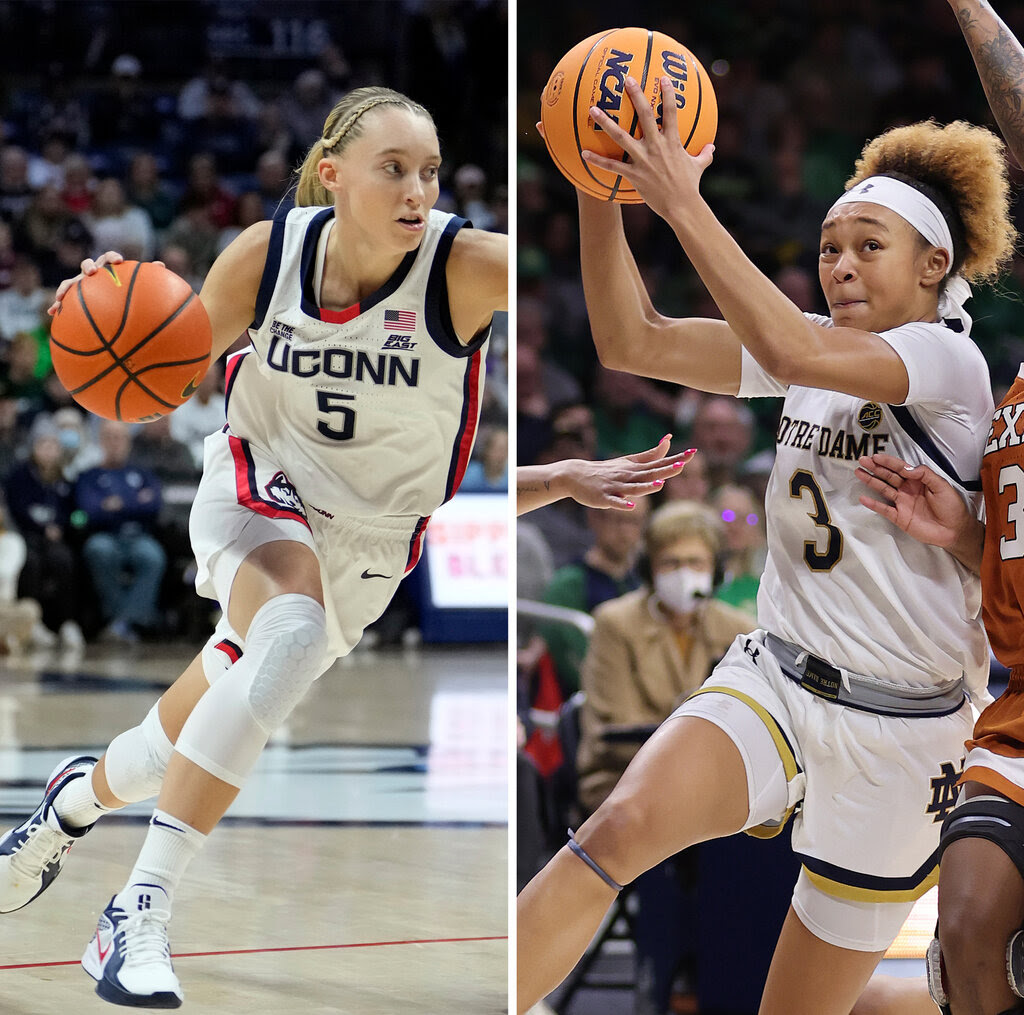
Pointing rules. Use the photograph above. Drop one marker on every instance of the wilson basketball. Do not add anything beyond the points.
(131, 342)
(593, 73)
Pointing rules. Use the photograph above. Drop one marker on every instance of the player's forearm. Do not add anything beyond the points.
(999, 57)
(538, 485)
(618, 305)
(770, 326)
(969, 545)
(629, 333)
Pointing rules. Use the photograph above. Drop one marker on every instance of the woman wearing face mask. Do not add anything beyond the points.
(652, 647)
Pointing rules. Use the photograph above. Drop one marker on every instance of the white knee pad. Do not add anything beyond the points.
(136, 760)
(285, 651)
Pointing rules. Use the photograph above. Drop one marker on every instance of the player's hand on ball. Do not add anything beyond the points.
(658, 166)
(89, 267)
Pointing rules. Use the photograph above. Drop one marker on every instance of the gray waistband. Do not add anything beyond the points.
(859, 691)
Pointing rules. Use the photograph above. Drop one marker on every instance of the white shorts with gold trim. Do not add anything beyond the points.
(867, 792)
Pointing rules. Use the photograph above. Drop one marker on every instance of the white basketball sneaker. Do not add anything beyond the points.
(33, 853)
(129, 955)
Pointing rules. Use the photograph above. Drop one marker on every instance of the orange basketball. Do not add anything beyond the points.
(593, 73)
(131, 342)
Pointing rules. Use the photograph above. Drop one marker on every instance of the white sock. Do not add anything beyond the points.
(169, 848)
(77, 805)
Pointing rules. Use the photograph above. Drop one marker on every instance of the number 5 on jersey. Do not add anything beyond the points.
(342, 423)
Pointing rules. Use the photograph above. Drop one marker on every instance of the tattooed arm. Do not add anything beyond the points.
(999, 58)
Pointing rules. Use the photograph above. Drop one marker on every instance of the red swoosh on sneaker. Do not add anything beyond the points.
(57, 778)
(103, 954)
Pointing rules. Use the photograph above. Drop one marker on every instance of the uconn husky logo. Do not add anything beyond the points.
(281, 490)
(381, 368)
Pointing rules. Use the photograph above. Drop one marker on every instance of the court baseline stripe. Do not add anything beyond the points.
(289, 948)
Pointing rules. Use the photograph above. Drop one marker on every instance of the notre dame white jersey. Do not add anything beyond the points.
(842, 582)
(371, 411)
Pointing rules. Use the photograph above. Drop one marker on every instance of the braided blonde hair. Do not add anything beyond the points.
(342, 126)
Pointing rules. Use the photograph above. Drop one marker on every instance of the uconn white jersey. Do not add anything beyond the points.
(844, 583)
(368, 411)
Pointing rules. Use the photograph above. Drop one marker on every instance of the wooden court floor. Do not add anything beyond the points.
(362, 871)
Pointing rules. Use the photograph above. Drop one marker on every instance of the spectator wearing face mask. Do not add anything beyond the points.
(78, 446)
(654, 646)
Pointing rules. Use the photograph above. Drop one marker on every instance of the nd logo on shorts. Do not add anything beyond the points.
(280, 489)
(944, 791)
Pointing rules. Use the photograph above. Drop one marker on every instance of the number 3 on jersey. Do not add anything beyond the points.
(817, 560)
(1012, 548)
(341, 424)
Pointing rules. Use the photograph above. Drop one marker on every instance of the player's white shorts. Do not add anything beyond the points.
(867, 792)
(245, 499)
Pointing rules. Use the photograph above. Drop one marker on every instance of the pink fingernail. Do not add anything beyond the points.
(659, 482)
(677, 465)
(690, 451)
(667, 437)
(629, 503)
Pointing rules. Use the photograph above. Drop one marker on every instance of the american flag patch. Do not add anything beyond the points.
(400, 320)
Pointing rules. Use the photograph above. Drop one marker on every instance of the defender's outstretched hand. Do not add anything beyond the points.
(923, 504)
(615, 483)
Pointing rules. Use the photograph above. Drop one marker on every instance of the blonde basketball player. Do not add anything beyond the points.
(351, 417)
(847, 711)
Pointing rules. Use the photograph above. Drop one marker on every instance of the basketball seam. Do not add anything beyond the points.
(133, 378)
(107, 346)
(119, 361)
(700, 96)
(575, 104)
(636, 115)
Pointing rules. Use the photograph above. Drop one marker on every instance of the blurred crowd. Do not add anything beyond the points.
(163, 137)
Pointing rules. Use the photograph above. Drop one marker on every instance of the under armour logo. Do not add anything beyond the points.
(748, 647)
(145, 902)
(944, 791)
(864, 189)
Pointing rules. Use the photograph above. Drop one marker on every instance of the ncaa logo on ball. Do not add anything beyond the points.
(870, 415)
(612, 82)
(554, 89)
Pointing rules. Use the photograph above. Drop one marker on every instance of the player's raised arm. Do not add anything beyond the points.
(790, 347)
(999, 57)
(629, 334)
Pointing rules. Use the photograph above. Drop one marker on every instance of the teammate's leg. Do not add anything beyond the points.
(687, 784)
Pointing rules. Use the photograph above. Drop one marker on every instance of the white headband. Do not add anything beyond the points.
(924, 215)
